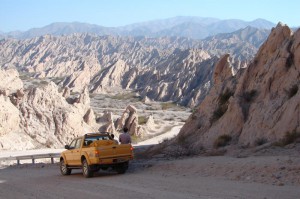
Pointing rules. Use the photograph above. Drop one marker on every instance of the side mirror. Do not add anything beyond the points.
(67, 147)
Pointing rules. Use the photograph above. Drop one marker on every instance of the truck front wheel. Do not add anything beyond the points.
(86, 169)
(64, 168)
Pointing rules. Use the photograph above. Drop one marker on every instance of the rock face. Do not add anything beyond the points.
(261, 102)
(10, 81)
(9, 117)
(129, 119)
(43, 118)
(152, 66)
(106, 122)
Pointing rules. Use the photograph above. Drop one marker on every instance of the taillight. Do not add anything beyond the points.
(97, 153)
(131, 148)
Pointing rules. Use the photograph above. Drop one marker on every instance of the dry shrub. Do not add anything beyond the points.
(260, 141)
(288, 138)
(222, 141)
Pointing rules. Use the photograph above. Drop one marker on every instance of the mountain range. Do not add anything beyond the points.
(191, 27)
(174, 69)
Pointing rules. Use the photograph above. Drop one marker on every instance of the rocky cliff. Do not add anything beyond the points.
(41, 117)
(259, 104)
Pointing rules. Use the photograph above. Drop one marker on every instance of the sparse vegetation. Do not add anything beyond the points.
(58, 80)
(127, 96)
(43, 82)
(292, 91)
(74, 93)
(260, 141)
(165, 140)
(33, 136)
(249, 96)
(170, 119)
(221, 110)
(167, 105)
(24, 76)
(135, 139)
(92, 95)
(222, 105)
(142, 120)
(288, 138)
(181, 139)
(194, 117)
(224, 97)
(222, 141)
(291, 137)
(49, 143)
(289, 61)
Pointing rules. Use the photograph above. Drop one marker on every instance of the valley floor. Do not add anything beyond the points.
(196, 177)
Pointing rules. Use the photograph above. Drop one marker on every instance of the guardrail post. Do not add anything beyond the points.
(32, 160)
(52, 160)
(18, 162)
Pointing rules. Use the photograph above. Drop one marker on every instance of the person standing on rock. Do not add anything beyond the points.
(125, 138)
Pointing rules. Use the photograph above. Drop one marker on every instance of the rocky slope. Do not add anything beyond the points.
(152, 66)
(41, 117)
(260, 104)
(46, 116)
(242, 43)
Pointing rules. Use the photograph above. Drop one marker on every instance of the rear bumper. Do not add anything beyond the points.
(111, 160)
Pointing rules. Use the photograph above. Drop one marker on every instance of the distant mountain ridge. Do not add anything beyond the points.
(191, 27)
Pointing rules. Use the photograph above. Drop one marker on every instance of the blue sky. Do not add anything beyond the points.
(26, 14)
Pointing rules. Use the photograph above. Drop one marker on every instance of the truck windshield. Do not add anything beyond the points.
(89, 140)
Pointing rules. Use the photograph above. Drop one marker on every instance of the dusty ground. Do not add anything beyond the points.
(258, 176)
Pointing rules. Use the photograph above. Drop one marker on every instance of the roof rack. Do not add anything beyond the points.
(97, 133)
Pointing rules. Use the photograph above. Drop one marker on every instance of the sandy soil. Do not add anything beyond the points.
(196, 177)
(158, 139)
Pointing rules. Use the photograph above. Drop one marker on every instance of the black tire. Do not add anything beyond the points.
(122, 168)
(64, 170)
(104, 168)
(86, 169)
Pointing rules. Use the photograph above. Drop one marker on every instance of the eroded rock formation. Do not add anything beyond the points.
(41, 117)
(261, 102)
(165, 69)
(129, 119)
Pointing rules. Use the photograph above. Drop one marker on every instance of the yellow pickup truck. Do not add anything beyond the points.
(93, 152)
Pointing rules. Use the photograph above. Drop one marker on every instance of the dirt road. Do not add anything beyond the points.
(175, 179)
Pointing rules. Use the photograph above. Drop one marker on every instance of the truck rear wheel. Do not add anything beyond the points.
(86, 169)
(64, 168)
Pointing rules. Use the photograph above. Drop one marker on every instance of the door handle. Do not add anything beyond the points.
(114, 147)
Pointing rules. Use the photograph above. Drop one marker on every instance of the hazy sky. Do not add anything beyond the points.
(26, 14)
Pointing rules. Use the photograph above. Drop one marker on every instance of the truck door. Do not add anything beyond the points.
(69, 153)
(77, 152)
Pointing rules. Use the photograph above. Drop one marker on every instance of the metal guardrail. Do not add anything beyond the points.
(32, 157)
